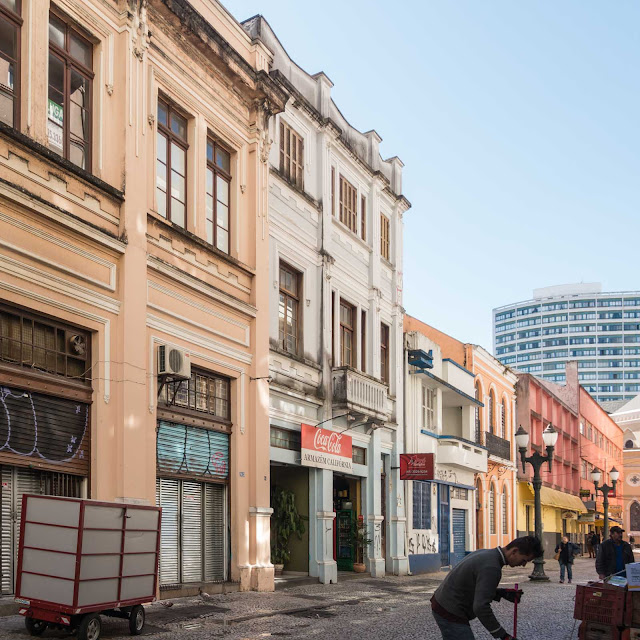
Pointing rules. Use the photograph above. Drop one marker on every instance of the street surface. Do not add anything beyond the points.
(362, 609)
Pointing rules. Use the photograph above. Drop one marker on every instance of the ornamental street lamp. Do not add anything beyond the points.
(536, 460)
(605, 489)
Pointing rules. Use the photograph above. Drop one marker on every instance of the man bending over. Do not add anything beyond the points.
(467, 592)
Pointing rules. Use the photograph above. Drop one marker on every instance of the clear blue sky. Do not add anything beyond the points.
(518, 123)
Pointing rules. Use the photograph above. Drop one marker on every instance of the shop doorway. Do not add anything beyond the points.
(16, 481)
(383, 504)
(459, 518)
(295, 480)
(444, 525)
(347, 505)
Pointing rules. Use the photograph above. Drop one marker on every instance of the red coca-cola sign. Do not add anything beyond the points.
(416, 466)
(326, 449)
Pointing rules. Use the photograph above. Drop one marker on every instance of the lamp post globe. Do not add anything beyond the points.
(550, 436)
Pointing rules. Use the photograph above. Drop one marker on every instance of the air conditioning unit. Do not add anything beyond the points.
(174, 363)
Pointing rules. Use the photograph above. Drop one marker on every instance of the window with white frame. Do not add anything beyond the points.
(492, 509)
(428, 408)
(505, 521)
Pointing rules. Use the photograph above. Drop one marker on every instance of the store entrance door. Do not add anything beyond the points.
(346, 504)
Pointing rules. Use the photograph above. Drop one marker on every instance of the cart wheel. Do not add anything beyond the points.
(35, 627)
(90, 627)
(136, 620)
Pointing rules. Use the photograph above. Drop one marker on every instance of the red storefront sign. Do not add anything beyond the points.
(326, 449)
(416, 466)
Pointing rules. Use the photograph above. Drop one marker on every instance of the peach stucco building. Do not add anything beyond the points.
(494, 429)
(133, 216)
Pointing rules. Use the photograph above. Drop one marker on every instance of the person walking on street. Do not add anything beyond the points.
(565, 552)
(614, 554)
(467, 592)
(590, 549)
(595, 542)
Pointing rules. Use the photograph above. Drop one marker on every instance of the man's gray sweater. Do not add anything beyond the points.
(469, 589)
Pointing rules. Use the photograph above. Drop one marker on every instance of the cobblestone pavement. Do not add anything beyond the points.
(384, 609)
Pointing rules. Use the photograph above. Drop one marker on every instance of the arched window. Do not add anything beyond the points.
(634, 517)
(627, 445)
(478, 421)
(492, 509)
(503, 418)
(492, 411)
(505, 510)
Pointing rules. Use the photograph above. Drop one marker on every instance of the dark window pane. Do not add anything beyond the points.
(223, 159)
(79, 89)
(10, 4)
(80, 50)
(8, 33)
(162, 114)
(57, 30)
(209, 151)
(179, 125)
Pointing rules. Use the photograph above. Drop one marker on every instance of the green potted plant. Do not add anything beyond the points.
(285, 522)
(360, 542)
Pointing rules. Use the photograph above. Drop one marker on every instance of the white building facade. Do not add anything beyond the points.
(439, 419)
(574, 322)
(335, 224)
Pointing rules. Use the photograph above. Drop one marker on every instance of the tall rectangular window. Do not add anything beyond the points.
(217, 196)
(421, 505)
(348, 204)
(70, 79)
(363, 217)
(10, 23)
(347, 332)
(384, 353)
(288, 310)
(428, 408)
(363, 341)
(384, 236)
(171, 165)
(333, 191)
(291, 155)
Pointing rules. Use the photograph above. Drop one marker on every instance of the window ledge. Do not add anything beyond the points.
(302, 360)
(51, 156)
(316, 204)
(351, 234)
(201, 243)
(387, 263)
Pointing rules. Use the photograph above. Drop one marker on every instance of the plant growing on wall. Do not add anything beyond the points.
(285, 522)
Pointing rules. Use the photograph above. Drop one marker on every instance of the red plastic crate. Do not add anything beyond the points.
(599, 631)
(600, 603)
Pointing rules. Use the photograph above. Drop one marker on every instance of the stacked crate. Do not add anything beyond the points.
(607, 612)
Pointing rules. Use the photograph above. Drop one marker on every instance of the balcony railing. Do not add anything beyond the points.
(497, 446)
(355, 390)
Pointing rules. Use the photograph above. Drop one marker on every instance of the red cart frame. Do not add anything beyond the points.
(62, 614)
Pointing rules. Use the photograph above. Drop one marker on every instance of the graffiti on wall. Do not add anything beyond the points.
(446, 475)
(422, 542)
(37, 425)
(377, 539)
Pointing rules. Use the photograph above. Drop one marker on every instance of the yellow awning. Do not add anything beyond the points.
(559, 499)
